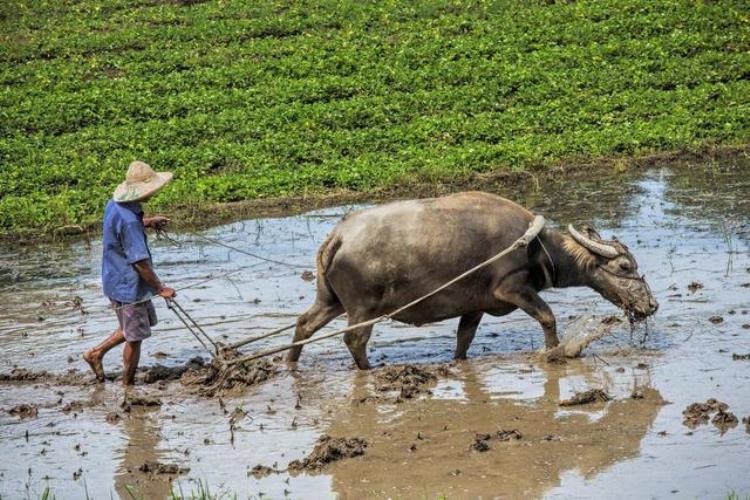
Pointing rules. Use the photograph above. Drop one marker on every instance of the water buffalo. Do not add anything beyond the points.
(378, 259)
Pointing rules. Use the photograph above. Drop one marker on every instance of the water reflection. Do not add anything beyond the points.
(142, 436)
(587, 439)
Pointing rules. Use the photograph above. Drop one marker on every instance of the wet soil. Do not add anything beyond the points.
(587, 397)
(161, 468)
(328, 450)
(214, 379)
(700, 413)
(160, 372)
(724, 420)
(402, 382)
(23, 375)
(482, 441)
(24, 411)
(684, 227)
(138, 400)
(260, 471)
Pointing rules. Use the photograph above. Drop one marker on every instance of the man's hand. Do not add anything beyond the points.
(156, 222)
(144, 269)
(167, 293)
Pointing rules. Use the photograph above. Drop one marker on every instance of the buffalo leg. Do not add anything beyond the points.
(528, 300)
(467, 328)
(312, 320)
(356, 340)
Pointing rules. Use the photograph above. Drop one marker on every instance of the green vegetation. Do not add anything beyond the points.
(264, 99)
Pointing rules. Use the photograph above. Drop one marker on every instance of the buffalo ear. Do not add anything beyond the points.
(592, 233)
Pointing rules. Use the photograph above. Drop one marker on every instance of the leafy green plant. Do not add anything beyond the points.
(260, 99)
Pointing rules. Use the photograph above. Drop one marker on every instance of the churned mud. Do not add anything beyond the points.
(161, 468)
(432, 427)
(482, 441)
(699, 413)
(71, 377)
(24, 411)
(213, 379)
(402, 382)
(328, 450)
(586, 397)
(137, 399)
(579, 334)
(724, 420)
(260, 471)
(158, 372)
(208, 379)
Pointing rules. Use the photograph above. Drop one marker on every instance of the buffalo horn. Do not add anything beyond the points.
(607, 251)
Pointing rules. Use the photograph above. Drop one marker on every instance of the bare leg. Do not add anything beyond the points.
(131, 353)
(467, 328)
(356, 340)
(532, 304)
(94, 356)
(312, 320)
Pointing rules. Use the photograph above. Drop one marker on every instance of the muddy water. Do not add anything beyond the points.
(685, 224)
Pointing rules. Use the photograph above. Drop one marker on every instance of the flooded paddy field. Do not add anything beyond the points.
(490, 426)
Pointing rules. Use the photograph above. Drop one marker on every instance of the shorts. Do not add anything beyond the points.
(135, 320)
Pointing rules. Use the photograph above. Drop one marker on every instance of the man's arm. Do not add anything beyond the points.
(149, 276)
(155, 222)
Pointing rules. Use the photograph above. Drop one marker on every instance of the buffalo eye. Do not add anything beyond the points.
(625, 266)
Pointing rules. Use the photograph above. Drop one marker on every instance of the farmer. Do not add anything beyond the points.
(127, 276)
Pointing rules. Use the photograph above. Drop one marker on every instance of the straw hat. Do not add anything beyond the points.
(140, 182)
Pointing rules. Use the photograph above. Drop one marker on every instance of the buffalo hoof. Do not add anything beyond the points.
(554, 355)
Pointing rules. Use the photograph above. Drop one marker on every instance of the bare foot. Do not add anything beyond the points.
(95, 364)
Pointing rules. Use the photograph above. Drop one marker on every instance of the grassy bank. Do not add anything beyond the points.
(249, 100)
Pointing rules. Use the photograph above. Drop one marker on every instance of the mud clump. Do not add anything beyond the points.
(724, 420)
(740, 357)
(700, 413)
(408, 381)
(211, 379)
(511, 435)
(696, 414)
(73, 406)
(716, 320)
(482, 441)
(586, 397)
(139, 400)
(694, 286)
(113, 417)
(154, 467)
(24, 375)
(260, 471)
(24, 411)
(746, 421)
(327, 450)
(159, 372)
